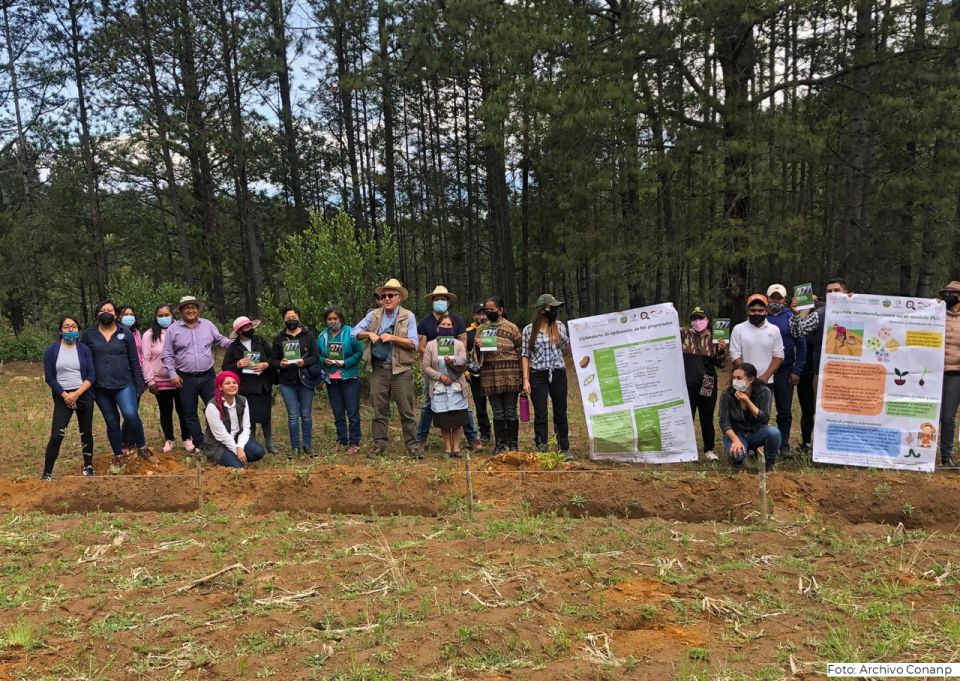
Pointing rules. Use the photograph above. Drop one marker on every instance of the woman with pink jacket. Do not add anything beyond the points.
(158, 380)
(444, 363)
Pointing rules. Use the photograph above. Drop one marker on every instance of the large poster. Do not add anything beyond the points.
(630, 369)
(881, 376)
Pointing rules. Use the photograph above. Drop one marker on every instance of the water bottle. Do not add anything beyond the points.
(524, 409)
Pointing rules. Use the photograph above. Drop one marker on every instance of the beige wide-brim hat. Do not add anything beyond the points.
(187, 300)
(394, 285)
(441, 291)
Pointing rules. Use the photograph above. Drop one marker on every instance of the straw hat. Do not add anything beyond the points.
(241, 322)
(187, 300)
(394, 285)
(441, 290)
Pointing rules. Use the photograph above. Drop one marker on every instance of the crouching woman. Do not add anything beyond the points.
(228, 441)
(745, 418)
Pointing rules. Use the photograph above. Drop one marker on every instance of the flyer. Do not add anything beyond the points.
(721, 330)
(630, 370)
(487, 339)
(335, 351)
(445, 346)
(881, 377)
(291, 350)
(804, 295)
(254, 358)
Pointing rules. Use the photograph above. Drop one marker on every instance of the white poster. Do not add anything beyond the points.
(881, 377)
(630, 369)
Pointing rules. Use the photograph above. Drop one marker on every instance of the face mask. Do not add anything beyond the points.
(440, 306)
(492, 315)
(551, 315)
(106, 318)
(128, 320)
(70, 336)
(334, 327)
(291, 324)
(247, 333)
(740, 384)
(445, 331)
(698, 325)
(776, 308)
(951, 300)
(757, 319)
(164, 322)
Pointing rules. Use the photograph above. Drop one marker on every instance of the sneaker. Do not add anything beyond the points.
(168, 446)
(271, 448)
(46, 476)
(567, 456)
(88, 471)
(117, 460)
(188, 445)
(307, 451)
(456, 455)
(805, 448)
(293, 453)
(148, 456)
(477, 444)
(949, 462)
(415, 452)
(786, 452)
(353, 449)
(711, 456)
(542, 448)
(376, 451)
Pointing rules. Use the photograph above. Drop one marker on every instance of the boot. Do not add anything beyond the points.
(513, 435)
(499, 436)
(148, 456)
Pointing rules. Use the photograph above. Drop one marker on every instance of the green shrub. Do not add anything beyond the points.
(28, 346)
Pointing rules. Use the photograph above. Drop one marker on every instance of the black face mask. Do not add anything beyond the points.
(757, 319)
(247, 333)
(291, 324)
(551, 315)
(492, 315)
(106, 318)
(951, 300)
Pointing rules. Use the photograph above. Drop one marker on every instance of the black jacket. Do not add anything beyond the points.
(251, 384)
(308, 351)
(117, 363)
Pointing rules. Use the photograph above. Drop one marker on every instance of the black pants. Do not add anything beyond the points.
(196, 387)
(554, 384)
(504, 406)
(706, 406)
(480, 402)
(58, 428)
(167, 401)
(807, 396)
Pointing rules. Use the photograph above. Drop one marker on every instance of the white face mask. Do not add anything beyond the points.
(740, 384)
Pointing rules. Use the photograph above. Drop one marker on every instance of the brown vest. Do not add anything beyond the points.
(403, 358)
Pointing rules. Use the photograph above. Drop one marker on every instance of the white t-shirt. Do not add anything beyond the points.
(756, 345)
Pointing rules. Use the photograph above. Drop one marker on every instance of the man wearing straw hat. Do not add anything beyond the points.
(188, 358)
(440, 300)
(391, 335)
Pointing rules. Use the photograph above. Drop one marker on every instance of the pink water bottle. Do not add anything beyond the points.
(524, 409)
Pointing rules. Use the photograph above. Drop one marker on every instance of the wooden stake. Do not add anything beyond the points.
(762, 469)
(469, 486)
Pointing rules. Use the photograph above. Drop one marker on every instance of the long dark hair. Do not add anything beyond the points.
(124, 308)
(155, 329)
(498, 301)
(553, 329)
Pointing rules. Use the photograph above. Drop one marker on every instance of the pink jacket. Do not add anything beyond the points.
(153, 371)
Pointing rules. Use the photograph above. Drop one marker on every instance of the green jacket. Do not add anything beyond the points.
(352, 352)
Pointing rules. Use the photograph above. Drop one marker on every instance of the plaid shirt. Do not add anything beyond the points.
(546, 355)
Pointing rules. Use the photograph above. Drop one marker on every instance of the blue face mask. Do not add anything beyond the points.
(128, 320)
(440, 306)
(164, 322)
(70, 336)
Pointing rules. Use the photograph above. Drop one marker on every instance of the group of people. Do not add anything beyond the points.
(776, 350)
(112, 365)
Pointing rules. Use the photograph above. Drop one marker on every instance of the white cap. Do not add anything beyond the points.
(777, 288)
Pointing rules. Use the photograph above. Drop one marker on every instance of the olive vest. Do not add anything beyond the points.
(403, 358)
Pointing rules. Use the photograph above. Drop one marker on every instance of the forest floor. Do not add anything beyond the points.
(332, 568)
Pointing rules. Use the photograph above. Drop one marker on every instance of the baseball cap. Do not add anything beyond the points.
(756, 297)
(698, 312)
(777, 288)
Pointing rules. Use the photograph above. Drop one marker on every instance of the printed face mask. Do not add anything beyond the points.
(440, 306)
(698, 325)
(164, 322)
(70, 336)
(334, 327)
(739, 384)
(776, 308)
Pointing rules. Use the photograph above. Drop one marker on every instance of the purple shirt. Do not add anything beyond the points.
(191, 349)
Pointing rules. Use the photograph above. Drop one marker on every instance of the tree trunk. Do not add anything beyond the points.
(25, 166)
(386, 104)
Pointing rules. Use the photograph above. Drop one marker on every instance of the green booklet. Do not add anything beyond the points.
(445, 346)
(487, 338)
(804, 295)
(291, 350)
(254, 358)
(721, 330)
(335, 351)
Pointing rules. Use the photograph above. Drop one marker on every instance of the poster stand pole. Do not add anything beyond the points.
(762, 470)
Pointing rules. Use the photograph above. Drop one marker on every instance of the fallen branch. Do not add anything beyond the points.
(209, 578)
(94, 553)
(337, 634)
(721, 608)
(289, 599)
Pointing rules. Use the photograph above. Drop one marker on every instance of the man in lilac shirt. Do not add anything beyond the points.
(188, 358)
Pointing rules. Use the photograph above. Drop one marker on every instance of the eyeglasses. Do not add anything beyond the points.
(696, 317)
(390, 295)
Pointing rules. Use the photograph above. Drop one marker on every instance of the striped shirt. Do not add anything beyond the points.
(545, 355)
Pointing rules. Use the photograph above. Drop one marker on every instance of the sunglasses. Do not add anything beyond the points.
(696, 317)
(390, 295)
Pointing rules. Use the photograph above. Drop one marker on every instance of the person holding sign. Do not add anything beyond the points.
(249, 356)
(744, 418)
(702, 356)
(497, 353)
(444, 364)
(545, 371)
(340, 355)
(294, 349)
(788, 374)
(391, 335)
(950, 295)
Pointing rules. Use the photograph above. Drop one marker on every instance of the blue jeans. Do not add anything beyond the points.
(426, 418)
(344, 398)
(113, 404)
(298, 400)
(194, 389)
(254, 451)
(768, 437)
(783, 397)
